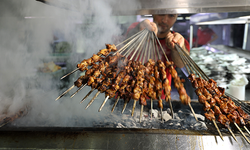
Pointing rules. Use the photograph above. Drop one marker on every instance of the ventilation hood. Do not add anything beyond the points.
(144, 7)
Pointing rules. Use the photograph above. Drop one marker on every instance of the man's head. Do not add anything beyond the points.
(164, 22)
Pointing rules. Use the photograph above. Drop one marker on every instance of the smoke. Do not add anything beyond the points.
(27, 29)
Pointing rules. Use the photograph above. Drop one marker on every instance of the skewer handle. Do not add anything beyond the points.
(171, 108)
(133, 109)
(231, 132)
(92, 100)
(87, 95)
(124, 107)
(218, 129)
(241, 132)
(115, 103)
(192, 110)
(141, 113)
(103, 103)
(65, 92)
(69, 73)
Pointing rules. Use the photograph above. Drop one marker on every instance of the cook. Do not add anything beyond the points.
(161, 26)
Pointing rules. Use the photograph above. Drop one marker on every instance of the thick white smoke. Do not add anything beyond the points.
(26, 32)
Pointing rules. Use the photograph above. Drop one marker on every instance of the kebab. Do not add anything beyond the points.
(95, 58)
(227, 109)
(185, 99)
(165, 84)
(149, 68)
(87, 73)
(131, 84)
(125, 86)
(143, 97)
(101, 69)
(105, 81)
(137, 90)
(94, 79)
(158, 89)
(111, 92)
(121, 91)
(204, 97)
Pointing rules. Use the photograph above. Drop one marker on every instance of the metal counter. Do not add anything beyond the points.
(14, 136)
(114, 139)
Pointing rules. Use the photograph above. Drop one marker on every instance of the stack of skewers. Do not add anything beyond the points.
(133, 70)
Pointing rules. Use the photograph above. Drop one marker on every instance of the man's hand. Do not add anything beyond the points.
(173, 38)
(151, 26)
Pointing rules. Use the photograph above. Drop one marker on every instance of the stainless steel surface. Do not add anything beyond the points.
(107, 139)
(143, 7)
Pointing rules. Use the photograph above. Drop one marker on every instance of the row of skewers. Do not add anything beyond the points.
(219, 107)
(118, 75)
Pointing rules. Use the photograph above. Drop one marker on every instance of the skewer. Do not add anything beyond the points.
(192, 111)
(161, 114)
(65, 92)
(69, 73)
(124, 106)
(92, 100)
(246, 130)
(217, 129)
(161, 110)
(133, 109)
(241, 132)
(157, 40)
(100, 109)
(113, 108)
(79, 89)
(232, 134)
(151, 102)
(171, 108)
(87, 95)
(141, 113)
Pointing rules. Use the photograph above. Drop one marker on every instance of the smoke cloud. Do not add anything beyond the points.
(27, 29)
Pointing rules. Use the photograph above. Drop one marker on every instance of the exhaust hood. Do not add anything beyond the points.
(144, 7)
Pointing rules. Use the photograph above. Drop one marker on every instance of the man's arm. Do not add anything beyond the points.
(151, 26)
(177, 38)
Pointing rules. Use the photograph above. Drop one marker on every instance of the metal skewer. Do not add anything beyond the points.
(65, 92)
(151, 107)
(124, 106)
(171, 108)
(92, 100)
(100, 109)
(115, 103)
(133, 109)
(87, 95)
(141, 112)
(69, 73)
(79, 89)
